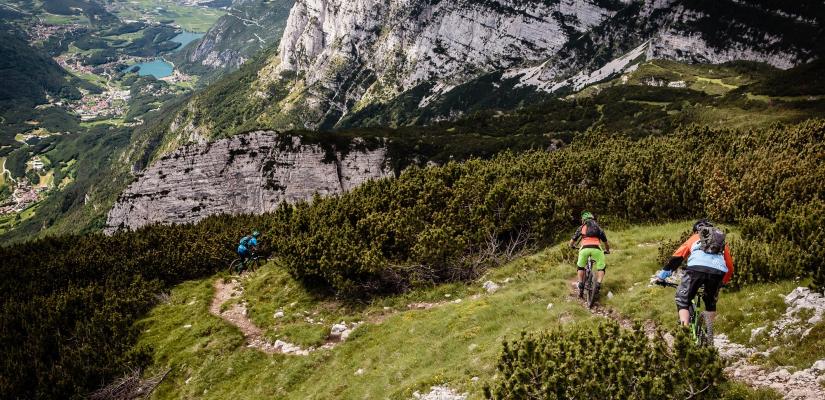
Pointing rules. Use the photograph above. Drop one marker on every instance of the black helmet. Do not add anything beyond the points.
(701, 224)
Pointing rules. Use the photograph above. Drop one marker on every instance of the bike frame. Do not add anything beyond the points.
(693, 310)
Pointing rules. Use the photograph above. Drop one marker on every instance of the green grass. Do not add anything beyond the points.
(190, 18)
(401, 350)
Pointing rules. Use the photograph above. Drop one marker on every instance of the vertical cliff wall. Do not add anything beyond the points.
(249, 173)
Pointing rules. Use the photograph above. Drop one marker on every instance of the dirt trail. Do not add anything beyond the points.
(648, 326)
(800, 385)
(235, 314)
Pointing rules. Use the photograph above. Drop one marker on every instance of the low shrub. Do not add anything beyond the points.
(605, 362)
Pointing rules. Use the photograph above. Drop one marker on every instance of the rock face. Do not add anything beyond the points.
(351, 55)
(360, 63)
(250, 173)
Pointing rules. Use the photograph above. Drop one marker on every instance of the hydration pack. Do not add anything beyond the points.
(591, 229)
(712, 240)
(244, 241)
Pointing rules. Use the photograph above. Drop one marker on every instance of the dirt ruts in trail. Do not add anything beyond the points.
(236, 314)
(648, 326)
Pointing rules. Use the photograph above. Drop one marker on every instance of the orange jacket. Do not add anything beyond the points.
(684, 251)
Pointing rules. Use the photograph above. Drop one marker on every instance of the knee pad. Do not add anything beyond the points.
(682, 299)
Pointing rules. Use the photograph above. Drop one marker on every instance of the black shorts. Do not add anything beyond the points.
(691, 282)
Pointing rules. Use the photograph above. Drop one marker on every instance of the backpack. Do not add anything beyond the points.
(712, 240)
(244, 241)
(593, 229)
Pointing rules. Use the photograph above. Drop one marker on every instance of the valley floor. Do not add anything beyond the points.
(448, 336)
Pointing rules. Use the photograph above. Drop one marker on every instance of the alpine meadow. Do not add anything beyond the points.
(362, 199)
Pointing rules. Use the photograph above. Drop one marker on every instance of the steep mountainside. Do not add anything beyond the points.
(363, 63)
(251, 173)
(248, 27)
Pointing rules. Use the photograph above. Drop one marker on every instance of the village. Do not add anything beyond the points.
(25, 194)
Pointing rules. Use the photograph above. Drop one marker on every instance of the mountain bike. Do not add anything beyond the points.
(701, 328)
(251, 264)
(589, 292)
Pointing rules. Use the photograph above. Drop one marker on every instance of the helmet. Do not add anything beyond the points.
(256, 234)
(701, 224)
(586, 215)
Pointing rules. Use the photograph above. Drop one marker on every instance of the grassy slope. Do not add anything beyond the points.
(401, 351)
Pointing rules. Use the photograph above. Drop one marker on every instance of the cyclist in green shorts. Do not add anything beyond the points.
(591, 236)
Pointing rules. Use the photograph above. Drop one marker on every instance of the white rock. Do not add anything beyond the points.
(278, 314)
(359, 372)
(549, 306)
(441, 393)
(187, 326)
(490, 286)
(819, 366)
(338, 329)
(609, 294)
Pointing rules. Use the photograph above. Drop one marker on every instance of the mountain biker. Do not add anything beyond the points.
(591, 236)
(708, 270)
(247, 247)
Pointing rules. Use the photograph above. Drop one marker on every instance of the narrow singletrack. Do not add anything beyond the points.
(801, 385)
(236, 314)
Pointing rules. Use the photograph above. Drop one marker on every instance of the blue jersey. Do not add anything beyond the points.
(699, 258)
(253, 242)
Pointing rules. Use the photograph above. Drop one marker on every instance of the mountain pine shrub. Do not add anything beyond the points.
(605, 362)
(444, 223)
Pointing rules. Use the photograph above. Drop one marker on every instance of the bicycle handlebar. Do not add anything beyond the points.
(665, 283)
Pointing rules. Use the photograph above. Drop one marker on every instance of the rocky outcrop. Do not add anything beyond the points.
(250, 173)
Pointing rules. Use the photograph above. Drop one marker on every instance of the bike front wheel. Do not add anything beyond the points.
(235, 266)
(254, 264)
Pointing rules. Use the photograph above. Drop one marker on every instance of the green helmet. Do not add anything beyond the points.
(587, 215)
(256, 234)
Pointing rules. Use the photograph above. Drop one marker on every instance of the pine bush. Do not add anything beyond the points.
(605, 362)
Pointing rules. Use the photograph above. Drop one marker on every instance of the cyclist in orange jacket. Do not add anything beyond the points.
(709, 265)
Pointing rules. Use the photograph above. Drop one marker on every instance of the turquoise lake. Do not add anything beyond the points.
(185, 38)
(157, 68)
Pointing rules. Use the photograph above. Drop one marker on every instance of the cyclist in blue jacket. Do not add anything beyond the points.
(247, 247)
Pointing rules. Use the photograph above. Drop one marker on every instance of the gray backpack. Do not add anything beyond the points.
(712, 240)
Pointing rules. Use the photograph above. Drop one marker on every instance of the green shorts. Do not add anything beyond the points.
(596, 254)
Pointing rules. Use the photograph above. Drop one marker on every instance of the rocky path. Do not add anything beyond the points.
(236, 314)
(806, 384)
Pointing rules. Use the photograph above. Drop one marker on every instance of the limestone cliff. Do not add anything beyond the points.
(344, 63)
(249, 173)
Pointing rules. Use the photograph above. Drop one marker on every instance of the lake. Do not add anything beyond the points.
(185, 38)
(157, 68)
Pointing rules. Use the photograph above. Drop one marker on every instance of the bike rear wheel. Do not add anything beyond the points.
(591, 297)
(590, 285)
(704, 330)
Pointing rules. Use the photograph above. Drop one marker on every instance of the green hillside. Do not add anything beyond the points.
(429, 232)
(401, 350)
